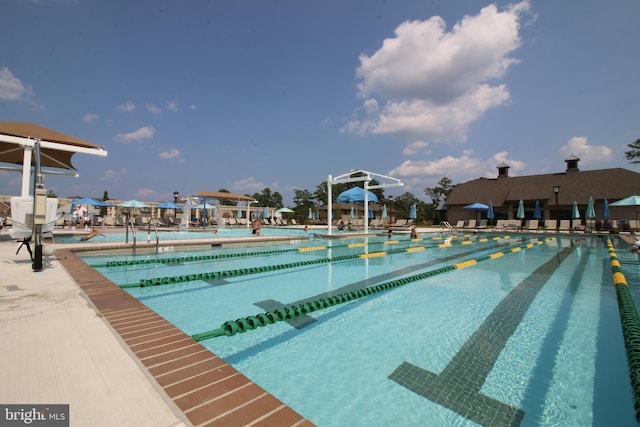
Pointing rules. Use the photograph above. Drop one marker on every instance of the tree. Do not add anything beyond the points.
(267, 198)
(105, 197)
(634, 153)
(227, 202)
(439, 194)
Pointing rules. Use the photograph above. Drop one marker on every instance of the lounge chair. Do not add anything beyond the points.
(532, 225)
(483, 224)
(459, 225)
(471, 224)
(550, 225)
(565, 225)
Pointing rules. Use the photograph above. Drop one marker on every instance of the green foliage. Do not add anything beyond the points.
(634, 154)
(267, 198)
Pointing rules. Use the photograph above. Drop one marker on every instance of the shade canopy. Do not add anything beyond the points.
(223, 195)
(57, 155)
(477, 207)
(285, 210)
(627, 201)
(356, 195)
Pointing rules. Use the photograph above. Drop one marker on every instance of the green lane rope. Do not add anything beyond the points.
(630, 325)
(245, 324)
(197, 258)
(216, 275)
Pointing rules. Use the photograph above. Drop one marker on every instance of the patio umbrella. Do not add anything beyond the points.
(265, 213)
(284, 210)
(628, 201)
(239, 213)
(133, 204)
(590, 213)
(413, 214)
(477, 207)
(90, 201)
(536, 211)
(310, 216)
(370, 213)
(490, 214)
(356, 195)
(352, 214)
(605, 210)
(520, 213)
(384, 212)
(575, 213)
(317, 214)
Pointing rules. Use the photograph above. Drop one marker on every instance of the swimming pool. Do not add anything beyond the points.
(144, 235)
(533, 335)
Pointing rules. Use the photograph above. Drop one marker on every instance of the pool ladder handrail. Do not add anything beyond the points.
(155, 229)
(447, 225)
(130, 223)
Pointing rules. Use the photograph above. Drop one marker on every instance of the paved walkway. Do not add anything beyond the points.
(56, 350)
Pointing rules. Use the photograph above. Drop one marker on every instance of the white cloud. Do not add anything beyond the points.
(434, 83)
(89, 118)
(111, 175)
(12, 88)
(414, 148)
(588, 154)
(171, 154)
(127, 107)
(153, 108)
(421, 173)
(145, 193)
(172, 106)
(138, 135)
(248, 185)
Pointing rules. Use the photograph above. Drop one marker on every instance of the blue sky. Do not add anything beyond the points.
(243, 95)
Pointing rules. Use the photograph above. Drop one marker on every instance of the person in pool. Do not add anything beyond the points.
(95, 232)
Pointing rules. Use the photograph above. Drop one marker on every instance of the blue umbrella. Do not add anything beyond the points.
(90, 201)
(239, 213)
(352, 214)
(605, 210)
(356, 194)
(536, 211)
(310, 214)
(490, 214)
(413, 212)
(384, 211)
(520, 214)
(370, 213)
(477, 206)
(265, 213)
(317, 214)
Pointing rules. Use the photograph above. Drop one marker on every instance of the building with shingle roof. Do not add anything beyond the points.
(505, 193)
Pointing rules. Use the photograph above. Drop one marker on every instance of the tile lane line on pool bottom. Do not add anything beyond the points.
(458, 385)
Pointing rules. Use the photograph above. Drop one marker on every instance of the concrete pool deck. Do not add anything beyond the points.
(72, 337)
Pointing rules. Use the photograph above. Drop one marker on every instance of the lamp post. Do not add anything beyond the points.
(556, 190)
(175, 200)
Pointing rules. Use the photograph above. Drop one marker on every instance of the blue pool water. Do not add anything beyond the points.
(442, 351)
(144, 235)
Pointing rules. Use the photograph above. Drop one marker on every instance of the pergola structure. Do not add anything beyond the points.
(17, 141)
(365, 177)
(223, 195)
